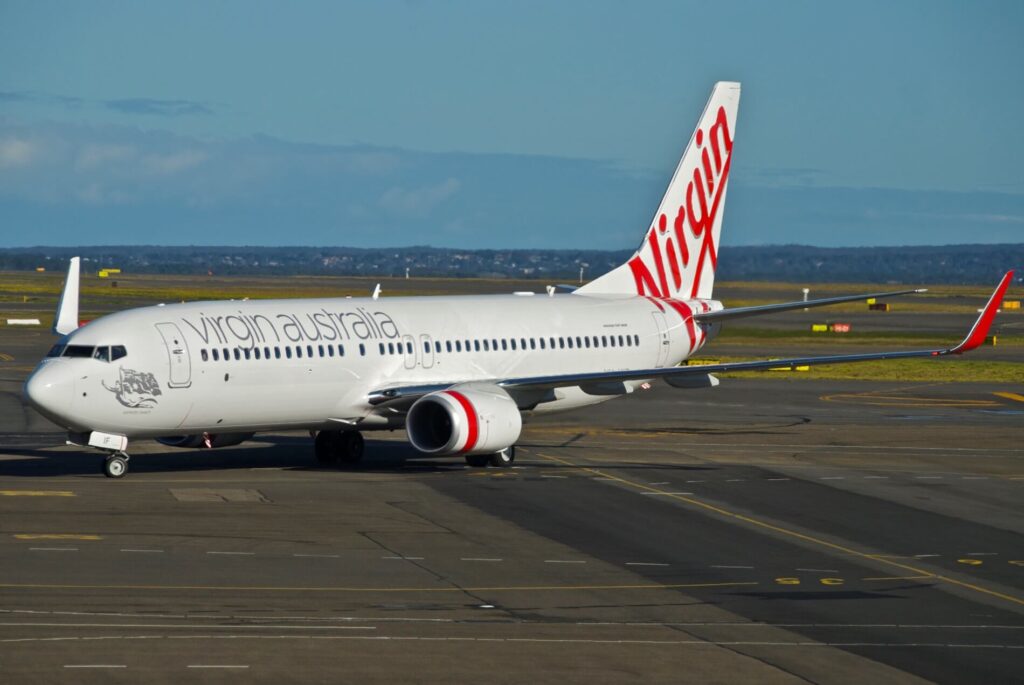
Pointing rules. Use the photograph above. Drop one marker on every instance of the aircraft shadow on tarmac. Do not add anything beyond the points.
(45, 456)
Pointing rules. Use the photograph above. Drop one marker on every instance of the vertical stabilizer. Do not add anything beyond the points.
(679, 252)
(66, 319)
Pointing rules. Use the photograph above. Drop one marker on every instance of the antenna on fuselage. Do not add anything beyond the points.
(66, 318)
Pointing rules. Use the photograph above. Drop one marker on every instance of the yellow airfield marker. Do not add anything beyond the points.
(56, 536)
(37, 493)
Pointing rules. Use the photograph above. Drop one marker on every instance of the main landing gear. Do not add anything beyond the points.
(116, 465)
(500, 459)
(332, 447)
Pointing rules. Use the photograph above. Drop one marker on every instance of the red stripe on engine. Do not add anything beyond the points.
(473, 426)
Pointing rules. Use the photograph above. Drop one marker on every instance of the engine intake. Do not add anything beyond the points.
(199, 440)
(468, 419)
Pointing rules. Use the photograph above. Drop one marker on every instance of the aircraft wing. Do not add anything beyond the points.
(975, 337)
(740, 312)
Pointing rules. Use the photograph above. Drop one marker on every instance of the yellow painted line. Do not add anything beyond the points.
(884, 578)
(1010, 396)
(906, 401)
(4, 357)
(787, 532)
(831, 581)
(273, 588)
(56, 536)
(36, 493)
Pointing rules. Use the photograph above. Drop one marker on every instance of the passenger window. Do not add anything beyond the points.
(542, 343)
(504, 344)
(512, 342)
(320, 349)
(586, 341)
(522, 343)
(227, 354)
(248, 353)
(266, 352)
(579, 343)
(330, 350)
(103, 354)
(238, 354)
(448, 345)
(561, 343)
(309, 350)
(476, 345)
(611, 339)
(604, 341)
(468, 347)
(288, 351)
(437, 346)
(256, 352)
(216, 357)
(380, 348)
(426, 347)
(620, 341)
(341, 350)
(458, 346)
(408, 348)
(362, 350)
(204, 355)
(277, 352)
(636, 340)
(391, 348)
(494, 344)
(533, 344)
(487, 348)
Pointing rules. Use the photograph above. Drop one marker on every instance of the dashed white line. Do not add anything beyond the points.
(925, 556)
(218, 666)
(974, 478)
(563, 561)
(235, 554)
(876, 477)
(95, 666)
(928, 477)
(143, 551)
(818, 570)
(656, 494)
(546, 476)
(833, 478)
(53, 549)
(480, 559)
(776, 478)
(983, 554)
(696, 481)
(644, 563)
(664, 482)
(404, 558)
(742, 567)
(734, 480)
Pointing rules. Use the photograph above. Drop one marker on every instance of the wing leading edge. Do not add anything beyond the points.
(975, 337)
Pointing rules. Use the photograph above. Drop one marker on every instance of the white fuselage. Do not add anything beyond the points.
(247, 366)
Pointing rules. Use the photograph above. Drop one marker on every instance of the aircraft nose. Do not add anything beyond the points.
(49, 389)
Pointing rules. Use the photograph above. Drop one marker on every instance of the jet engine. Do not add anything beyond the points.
(200, 440)
(471, 419)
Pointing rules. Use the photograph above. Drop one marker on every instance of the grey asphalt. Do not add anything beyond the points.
(769, 530)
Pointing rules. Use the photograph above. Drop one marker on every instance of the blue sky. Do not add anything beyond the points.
(483, 124)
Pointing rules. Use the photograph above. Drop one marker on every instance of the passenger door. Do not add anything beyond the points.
(177, 355)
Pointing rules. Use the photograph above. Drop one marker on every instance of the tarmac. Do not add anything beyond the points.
(769, 530)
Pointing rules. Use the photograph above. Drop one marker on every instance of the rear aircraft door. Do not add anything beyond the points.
(428, 351)
(663, 340)
(177, 355)
(409, 350)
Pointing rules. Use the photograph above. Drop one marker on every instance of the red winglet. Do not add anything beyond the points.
(980, 329)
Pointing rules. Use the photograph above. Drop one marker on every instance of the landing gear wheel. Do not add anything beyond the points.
(325, 447)
(478, 460)
(350, 447)
(504, 458)
(115, 466)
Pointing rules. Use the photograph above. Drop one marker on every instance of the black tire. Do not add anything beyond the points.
(478, 460)
(351, 447)
(325, 447)
(504, 458)
(115, 466)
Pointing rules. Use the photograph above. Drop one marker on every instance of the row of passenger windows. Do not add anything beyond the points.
(474, 345)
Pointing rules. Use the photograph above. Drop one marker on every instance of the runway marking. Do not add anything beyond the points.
(742, 567)
(928, 477)
(262, 626)
(876, 477)
(480, 559)
(37, 493)
(53, 549)
(873, 398)
(983, 554)
(970, 562)
(217, 666)
(143, 551)
(656, 494)
(327, 589)
(776, 479)
(787, 581)
(233, 554)
(1010, 396)
(884, 578)
(664, 482)
(974, 478)
(923, 556)
(644, 563)
(818, 570)
(55, 536)
(1016, 562)
(831, 581)
(564, 561)
(317, 556)
(833, 478)
(795, 534)
(403, 558)
(95, 666)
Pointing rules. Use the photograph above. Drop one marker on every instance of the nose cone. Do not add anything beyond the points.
(50, 391)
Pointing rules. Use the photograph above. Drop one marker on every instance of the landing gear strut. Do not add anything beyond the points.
(116, 465)
(501, 459)
(331, 447)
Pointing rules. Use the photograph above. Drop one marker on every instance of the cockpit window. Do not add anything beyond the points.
(117, 351)
(78, 351)
(55, 351)
(102, 353)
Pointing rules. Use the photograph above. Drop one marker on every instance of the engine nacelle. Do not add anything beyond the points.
(470, 419)
(199, 440)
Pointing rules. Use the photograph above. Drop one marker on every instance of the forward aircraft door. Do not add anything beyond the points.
(662, 340)
(409, 351)
(428, 351)
(177, 355)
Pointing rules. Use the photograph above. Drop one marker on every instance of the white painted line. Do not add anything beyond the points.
(236, 554)
(657, 494)
(923, 556)
(218, 666)
(745, 567)
(404, 558)
(95, 666)
(479, 559)
(53, 549)
(664, 482)
(928, 477)
(734, 480)
(317, 556)
(974, 478)
(818, 570)
(563, 561)
(643, 563)
(876, 477)
(833, 478)
(544, 476)
(983, 554)
(146, 551)
(696, 481)
(777, 479)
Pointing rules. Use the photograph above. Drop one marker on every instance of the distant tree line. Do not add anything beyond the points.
(952, 264)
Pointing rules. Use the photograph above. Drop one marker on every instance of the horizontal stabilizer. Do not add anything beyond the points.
(742, 312)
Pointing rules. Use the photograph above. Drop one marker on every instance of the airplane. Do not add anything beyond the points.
(458, 373)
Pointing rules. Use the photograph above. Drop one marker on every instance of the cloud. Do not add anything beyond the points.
(418, 201)
(155, 107)
(174, 162)
(93, 155)
(16, 152)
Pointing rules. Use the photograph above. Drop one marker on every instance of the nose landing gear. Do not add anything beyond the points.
(116, 465)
